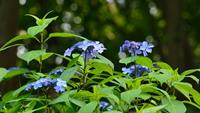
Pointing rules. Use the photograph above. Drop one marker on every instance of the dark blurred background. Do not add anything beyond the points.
(171, 25)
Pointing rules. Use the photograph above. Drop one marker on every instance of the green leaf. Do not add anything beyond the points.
(44, 56)
(127, 60)
(161, 77)
(144, 61)
(194, 78)
(113, 111)
(34, 110)
(39, 28)
(7, 47)
(184, 88)
(30, 106)
(14, 109)
(73, 62)
(163, 65)
(17, 38)
(129, 96)
(144, 96)
(190, 71)
(31, 55)
(105, 60)
(195, 94)
(174, 106)
(68, 73)
(64, 97)
(38, 20)
(88, 108)
(77, 102)
(101, 67)
(191, 103)
(152, 89)
(3, 72)
(63, 35)
(153, 109)
(19, 90)
(16, 72)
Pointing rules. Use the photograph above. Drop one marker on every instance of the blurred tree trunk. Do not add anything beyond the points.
(9, 10)
(177, 49)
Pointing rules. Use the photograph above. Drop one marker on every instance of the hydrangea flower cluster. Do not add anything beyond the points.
(87, 47)
(135, 48)
(135, 69)
(57, 71)
(104, 105)
(59, 85)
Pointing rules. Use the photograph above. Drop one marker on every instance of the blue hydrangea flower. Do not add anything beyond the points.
(137, 70)
(59, 89)
(131, 47)
(87, 47)
(105, 105)
(135, 48)
(109, 108)
(57, 71)
(146, 48)
(13, 68)
(59, 85)
(128, 71)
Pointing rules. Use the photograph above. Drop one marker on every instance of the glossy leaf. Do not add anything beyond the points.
(31, 55)
(105, 60)
(112, 111)
(39, 28)
(17, 38)
(153, 109)
(16, 72)
(127, 60)
(88, 108)
(3, 72)
(163, 65)
(184, 88)
(63, 35)
(174, 106)
(129, 96)
(69, 73)
(144, 61)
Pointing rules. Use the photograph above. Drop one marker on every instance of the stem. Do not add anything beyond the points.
(41, 47)
(84, 79)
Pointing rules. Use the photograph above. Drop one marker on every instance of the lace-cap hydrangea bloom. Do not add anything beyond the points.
(137, 70)
(104, 105)
(135, 48)
(87, 47)
(146, 48)
(58, 84)
(57, 71)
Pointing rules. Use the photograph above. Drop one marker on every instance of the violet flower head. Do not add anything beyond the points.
(105, 105)
(128, 71)
(136, 70)
(59, 85)
(146, 48)
(135, 48)
(57, 71)
(87, 47)
(131, 47)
